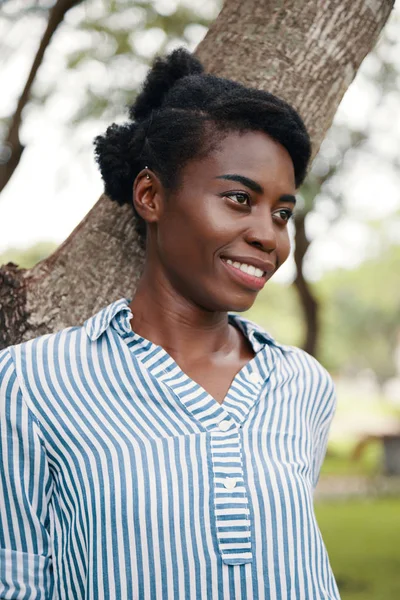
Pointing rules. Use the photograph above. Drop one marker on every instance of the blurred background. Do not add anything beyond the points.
(339, 294)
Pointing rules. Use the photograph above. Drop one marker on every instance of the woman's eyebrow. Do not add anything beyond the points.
(250, 183)
(253, 185)
(288, 198)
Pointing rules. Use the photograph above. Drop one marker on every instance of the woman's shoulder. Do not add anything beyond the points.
(66, 338)
(42, 350)
(41, 363)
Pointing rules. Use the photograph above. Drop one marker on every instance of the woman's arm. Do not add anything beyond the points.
(25, 489)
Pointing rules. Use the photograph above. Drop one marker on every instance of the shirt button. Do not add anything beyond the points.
(224, 425)
(230, 483)
(255, 377)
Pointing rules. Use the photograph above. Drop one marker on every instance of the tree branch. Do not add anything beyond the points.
(13, 143)
(308, 302)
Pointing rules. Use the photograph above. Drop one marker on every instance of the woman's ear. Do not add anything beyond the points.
(148, 195)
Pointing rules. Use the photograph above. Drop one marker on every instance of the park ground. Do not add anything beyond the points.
(357, 506)
(362, 536)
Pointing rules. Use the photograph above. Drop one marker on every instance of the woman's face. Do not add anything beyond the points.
(232, 205)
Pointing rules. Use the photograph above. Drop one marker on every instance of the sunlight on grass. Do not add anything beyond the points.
(363, 542)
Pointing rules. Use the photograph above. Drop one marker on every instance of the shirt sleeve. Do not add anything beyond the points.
(25, 488)
(326, 414)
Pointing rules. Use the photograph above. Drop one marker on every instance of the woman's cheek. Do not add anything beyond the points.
(284, 246)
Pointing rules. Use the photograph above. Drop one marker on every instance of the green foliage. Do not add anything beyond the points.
(27, 257)
(360, 315)
(277, 310)
(102, 50)
(111, 36)
(362, 539)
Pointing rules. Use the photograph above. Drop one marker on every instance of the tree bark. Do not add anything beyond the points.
(13, 143)
(306, 52)
(308, 302)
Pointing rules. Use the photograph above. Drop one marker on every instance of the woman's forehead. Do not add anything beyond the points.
(252, 154)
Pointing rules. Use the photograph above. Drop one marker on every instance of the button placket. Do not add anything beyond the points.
(230, 483)
(230, 497)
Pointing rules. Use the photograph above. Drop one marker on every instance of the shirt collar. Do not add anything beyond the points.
(256, 334)
(98, 323)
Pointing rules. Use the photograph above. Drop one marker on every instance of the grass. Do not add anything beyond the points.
(363, 542)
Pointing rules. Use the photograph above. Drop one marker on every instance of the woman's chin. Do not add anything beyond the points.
(241, 305)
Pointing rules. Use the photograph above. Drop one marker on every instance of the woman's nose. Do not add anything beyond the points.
(262, 233)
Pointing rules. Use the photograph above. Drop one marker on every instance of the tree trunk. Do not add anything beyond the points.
(306, 52)
(13, 143)
(308, 302)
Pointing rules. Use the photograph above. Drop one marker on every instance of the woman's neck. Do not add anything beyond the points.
(181, 328)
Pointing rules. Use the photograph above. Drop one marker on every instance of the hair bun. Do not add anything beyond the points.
(160, 79)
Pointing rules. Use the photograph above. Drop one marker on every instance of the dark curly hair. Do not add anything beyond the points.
(173, 121)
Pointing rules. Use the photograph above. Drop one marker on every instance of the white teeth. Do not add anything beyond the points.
(249, 269)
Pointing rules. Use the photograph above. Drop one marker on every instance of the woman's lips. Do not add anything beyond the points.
(251, 281)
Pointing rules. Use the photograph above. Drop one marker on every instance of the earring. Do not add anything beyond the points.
(147, 175)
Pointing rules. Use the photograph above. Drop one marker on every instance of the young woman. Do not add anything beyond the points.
(169, 448)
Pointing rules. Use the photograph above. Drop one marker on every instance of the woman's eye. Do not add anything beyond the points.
(284, 214)
(241, 197)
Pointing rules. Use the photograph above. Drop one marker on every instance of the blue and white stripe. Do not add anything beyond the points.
(122, 478)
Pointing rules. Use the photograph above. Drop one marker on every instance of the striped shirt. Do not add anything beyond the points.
(122, 478)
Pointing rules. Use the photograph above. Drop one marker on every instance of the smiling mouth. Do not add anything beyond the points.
(252, 280)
